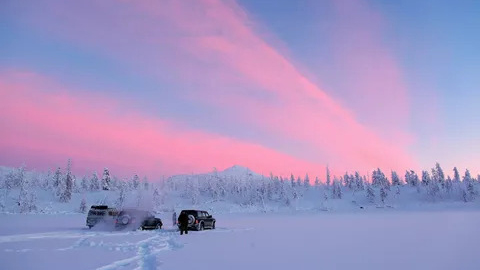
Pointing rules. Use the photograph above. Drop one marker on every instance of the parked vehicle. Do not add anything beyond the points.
(101, 213)
(137, 219)
(199, 220)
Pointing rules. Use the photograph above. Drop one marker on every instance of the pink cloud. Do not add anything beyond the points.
(373, 78)
(212, 47)
(45, 124)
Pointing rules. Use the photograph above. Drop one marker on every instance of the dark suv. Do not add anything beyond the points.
(101, 213)
(137, 219)
(199, 220)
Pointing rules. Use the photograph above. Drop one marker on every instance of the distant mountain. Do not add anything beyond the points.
(237, 171)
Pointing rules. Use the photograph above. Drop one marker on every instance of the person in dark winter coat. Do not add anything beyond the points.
(183, 221)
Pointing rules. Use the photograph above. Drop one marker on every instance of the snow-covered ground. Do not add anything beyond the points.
(366, 239)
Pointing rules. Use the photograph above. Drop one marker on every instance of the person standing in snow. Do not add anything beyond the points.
(183, 222)
(174, 218)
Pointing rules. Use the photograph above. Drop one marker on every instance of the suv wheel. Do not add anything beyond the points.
(191, 220)
(158, 227)
(125, 220)
(200, 227)
(213, 225)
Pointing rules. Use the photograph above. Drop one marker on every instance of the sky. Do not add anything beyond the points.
(177, 87)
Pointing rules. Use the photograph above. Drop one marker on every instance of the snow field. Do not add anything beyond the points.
(371, 239)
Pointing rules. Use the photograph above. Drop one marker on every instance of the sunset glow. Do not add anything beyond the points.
(179, 87)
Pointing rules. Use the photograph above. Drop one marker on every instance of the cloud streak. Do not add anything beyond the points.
(46, 120)
(211, 47)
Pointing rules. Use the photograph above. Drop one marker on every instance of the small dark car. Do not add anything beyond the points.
(137, 219)
(101, 213)
(199, 220)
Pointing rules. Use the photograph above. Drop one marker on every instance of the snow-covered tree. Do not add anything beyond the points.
(317, 182)
(438, 176)
(346, 180)
(135, 181)
(383, 194)
(469, 186)
(328, 178)
(83, 206)
(448, 185)
(145, 183)
(425, 178)
(106, 179)
(306, 181)
(412, 178)
(379, 179)
(119, 203)
(456, 175)
(395, 179)
(66, 185)
(337, 189)
(84, 183)
(370, 193)
(157, 200)
(192, 191)
(10, 180)
(359, 182)
(433, 189)
(57, 178)
(94, 182)
(27, 198)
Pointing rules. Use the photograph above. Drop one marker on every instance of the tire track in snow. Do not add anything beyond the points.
(147, 251)
(56, 235)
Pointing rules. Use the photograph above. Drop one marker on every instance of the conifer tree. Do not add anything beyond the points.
(83, 206)
(57, 178)
(448, 185)
(370, 194)
(94, 183)
(119, 203)
(306, 181)
(469, 186)
(84, 183)
(106, 179)
(439, 176)
(395, 179)
(425, 178)
(135, 181)
(337, 189)
(65, 188)
(456, 175)
(156, 197)
(383, 194)
(328, 177)
(359, 182)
